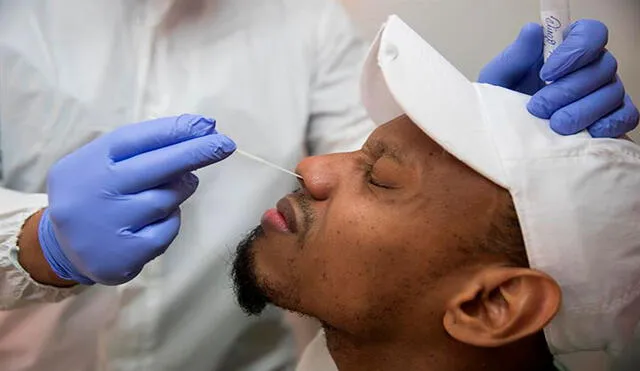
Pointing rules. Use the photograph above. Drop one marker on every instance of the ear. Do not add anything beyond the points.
(500, 305)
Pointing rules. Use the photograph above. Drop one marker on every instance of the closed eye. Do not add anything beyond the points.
(371, 179)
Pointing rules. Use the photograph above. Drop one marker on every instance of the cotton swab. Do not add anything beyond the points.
(265, 162)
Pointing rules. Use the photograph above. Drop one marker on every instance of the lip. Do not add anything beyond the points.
(288, 211)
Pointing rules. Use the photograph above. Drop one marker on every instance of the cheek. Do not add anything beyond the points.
(359, 263)
(339, 249)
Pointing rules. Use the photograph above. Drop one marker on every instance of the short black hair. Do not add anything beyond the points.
(502, 240)
(505, 238)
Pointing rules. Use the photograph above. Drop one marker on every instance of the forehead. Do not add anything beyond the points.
(401, 139)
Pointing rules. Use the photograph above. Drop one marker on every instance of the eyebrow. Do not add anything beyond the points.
(379, 148)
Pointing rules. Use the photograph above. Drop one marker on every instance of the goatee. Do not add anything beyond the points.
(249, 295)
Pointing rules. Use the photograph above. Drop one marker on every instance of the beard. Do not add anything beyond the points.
(250, 296)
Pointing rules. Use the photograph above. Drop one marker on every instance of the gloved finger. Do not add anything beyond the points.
(617, 123)
(147, 244)
(132, 140)
(153, 240)
(151, 169)
(531, 83)
(585, 42)
(158, 203)
(508, 68)
(573, 87)
(579, 115)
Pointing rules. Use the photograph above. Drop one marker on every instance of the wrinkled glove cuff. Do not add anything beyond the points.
(53, 253)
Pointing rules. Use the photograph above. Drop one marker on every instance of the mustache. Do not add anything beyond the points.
(303, 200)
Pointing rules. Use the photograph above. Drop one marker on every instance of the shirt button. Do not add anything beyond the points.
(389, 52)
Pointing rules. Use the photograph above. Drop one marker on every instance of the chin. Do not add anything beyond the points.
(281, 291)
(262, 276)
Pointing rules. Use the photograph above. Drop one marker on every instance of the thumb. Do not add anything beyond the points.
(513, 64)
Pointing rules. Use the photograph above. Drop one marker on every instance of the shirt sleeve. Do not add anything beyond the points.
(17, 288)
(338, 120)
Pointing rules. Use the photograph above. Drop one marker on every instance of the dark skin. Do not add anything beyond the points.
(31, 257)
(374, 252)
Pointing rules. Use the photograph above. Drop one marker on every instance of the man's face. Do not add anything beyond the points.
(375, 238)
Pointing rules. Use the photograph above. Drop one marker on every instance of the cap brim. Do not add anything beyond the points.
(394, 84)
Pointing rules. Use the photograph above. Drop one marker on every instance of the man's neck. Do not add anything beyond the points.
(353, 354)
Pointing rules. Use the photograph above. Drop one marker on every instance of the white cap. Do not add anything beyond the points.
(577, 198)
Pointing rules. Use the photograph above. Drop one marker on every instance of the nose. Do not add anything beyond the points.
(320, 175)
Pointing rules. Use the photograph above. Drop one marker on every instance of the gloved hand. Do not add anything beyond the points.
(585, 91)
(114, 203)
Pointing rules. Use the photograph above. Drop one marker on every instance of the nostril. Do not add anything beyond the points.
(301, 181)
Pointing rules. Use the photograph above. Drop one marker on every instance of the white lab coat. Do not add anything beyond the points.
(280, 77)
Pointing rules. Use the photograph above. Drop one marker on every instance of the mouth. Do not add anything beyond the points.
(282, 218)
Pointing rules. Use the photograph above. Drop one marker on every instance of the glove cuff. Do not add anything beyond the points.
(52, 252)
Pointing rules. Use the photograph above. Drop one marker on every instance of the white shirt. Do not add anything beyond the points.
(280, 77)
